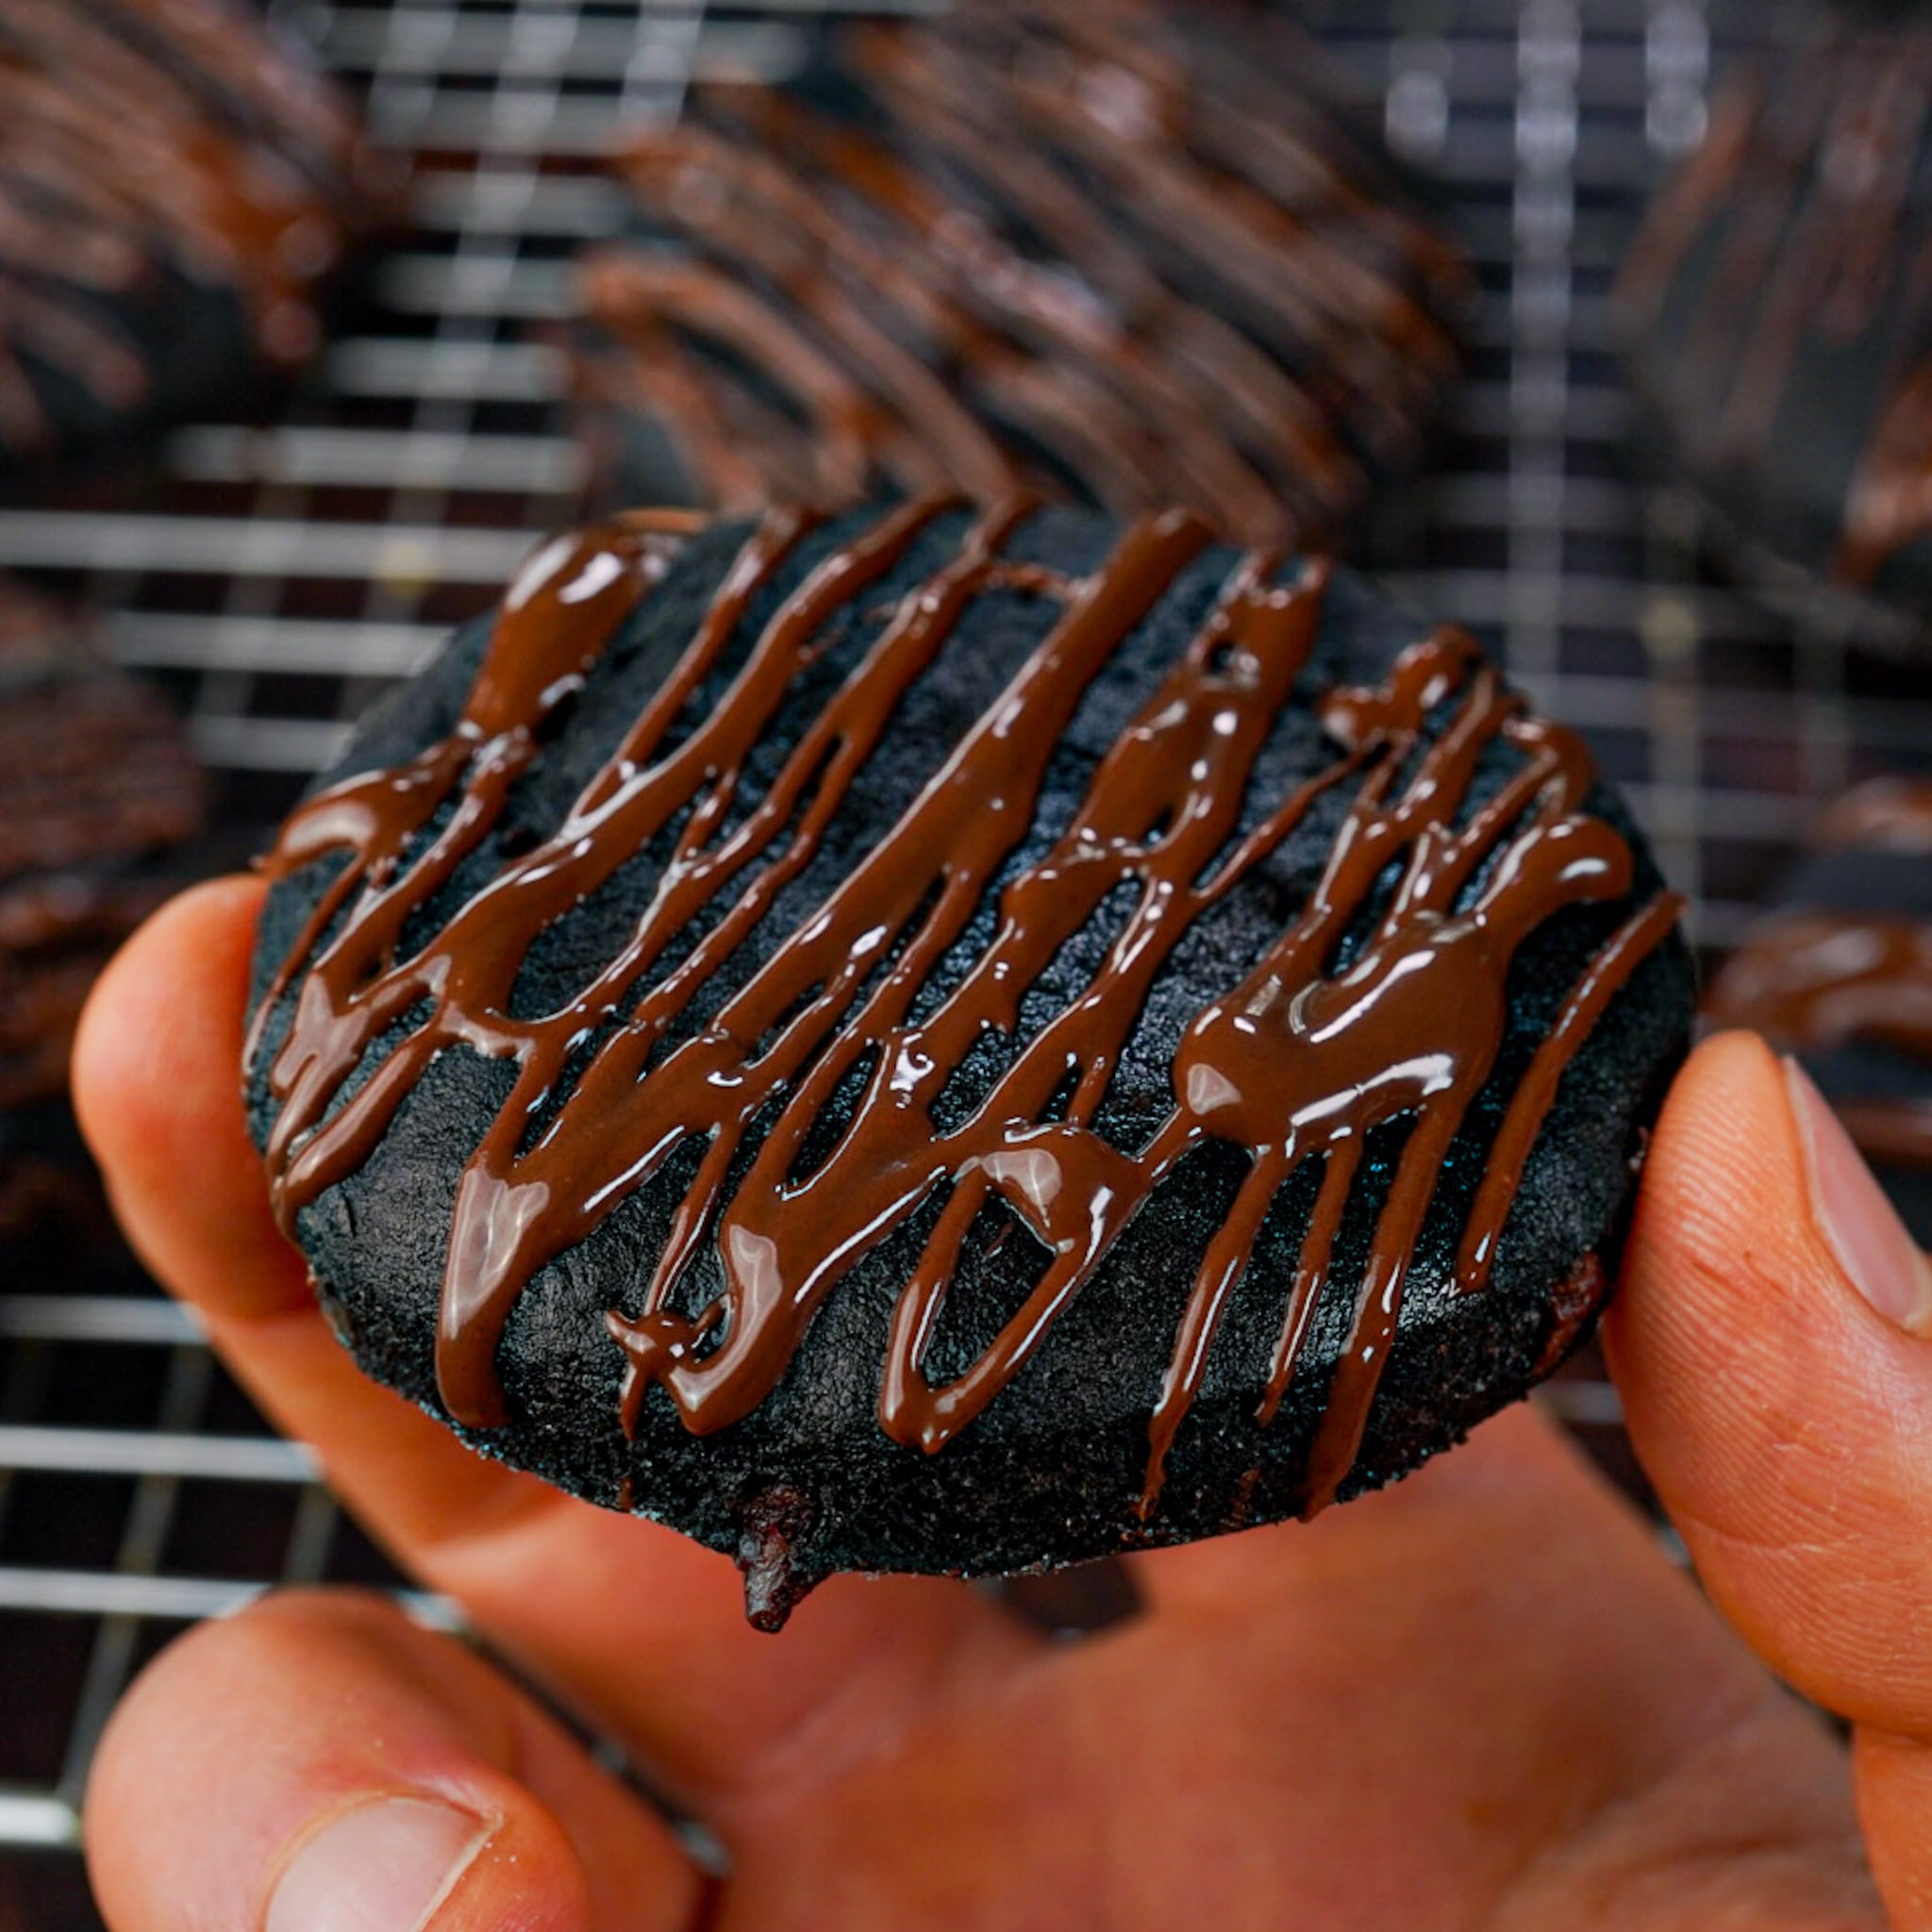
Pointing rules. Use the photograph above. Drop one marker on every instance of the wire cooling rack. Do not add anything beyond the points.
(277, 578)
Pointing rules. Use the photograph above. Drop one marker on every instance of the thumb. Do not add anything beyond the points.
(319, 1764)
(1773, 1345)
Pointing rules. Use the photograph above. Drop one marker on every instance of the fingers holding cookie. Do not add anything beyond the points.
(1771, 1346)
(650, 1636)
(321, 1762)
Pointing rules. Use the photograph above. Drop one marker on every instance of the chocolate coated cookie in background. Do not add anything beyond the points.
(1126, 252)
(958, 1041)
(99, 793)
(177, 188)
(1841, 976)
(98, 786)
(1780, 296)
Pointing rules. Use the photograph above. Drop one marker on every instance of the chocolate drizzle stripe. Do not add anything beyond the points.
(1627, 949)
(1303, 1059)
(1299, 276)
(917, 428)
(835, 303)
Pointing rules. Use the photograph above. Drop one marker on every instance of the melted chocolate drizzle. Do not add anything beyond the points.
(952, 296)
(137, 130)
(1299, 1062)
(1819, 978)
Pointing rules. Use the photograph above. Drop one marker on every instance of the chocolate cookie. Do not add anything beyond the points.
(97, 781)
(1841, 976)
(1125, 253)
(958, 1039)
(175, 186)
(1781, 295)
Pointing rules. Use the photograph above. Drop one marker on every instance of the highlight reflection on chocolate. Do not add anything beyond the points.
(1299, 1062)
(1057, 246)
(137, 133)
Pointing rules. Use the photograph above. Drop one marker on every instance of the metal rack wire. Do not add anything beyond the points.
(276, 578)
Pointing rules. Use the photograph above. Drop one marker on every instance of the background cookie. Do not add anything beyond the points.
(175, 186)
(1841, 976)
(1129, 254)
(1781, 293)
(977, 996)
(97, 784)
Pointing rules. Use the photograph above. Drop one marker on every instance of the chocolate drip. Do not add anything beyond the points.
(133, 131)
(954, 294)
(1808, 177)
(1814, 980)
(1302, 1060)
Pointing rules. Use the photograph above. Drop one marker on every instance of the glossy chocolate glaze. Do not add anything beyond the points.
(138, 131)
(1303, 1059)
(1814, 174)
(961, 288)
(1826, 977)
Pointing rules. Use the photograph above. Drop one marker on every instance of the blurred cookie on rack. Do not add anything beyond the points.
(1840, 974)
(100, 791)
(1779, 299)
(1130, 252)
(178, 190)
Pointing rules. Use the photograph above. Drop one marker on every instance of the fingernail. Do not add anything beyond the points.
(384, 1867)
(1873, 1245)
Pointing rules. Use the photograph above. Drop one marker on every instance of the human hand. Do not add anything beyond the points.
(1481, 1700)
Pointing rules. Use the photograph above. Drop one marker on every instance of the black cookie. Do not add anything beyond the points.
(176, 188)
(98, 784)
(999, 996)
(1841, 976)
(1783, 327)
(1127, 254)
